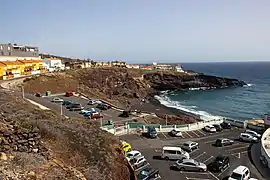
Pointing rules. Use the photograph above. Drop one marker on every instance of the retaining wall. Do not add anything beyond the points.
(265, 147)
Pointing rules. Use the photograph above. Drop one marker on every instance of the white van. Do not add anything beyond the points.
(174, 153)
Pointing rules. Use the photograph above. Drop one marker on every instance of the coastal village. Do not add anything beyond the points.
(22, 60)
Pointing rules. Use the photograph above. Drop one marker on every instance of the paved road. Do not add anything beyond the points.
(238, 153)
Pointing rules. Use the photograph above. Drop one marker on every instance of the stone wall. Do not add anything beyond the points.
(22, 141)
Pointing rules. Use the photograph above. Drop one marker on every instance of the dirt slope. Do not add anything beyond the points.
(73, 148)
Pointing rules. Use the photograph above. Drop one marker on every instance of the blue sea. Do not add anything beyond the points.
(243, 103)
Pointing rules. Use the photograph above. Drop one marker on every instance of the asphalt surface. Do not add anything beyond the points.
(239, 153)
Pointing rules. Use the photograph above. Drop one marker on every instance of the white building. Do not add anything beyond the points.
(54, 64)
(179, 69)
(133, 66)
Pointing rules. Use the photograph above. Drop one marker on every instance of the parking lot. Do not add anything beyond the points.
(109, 114)
(238, 153)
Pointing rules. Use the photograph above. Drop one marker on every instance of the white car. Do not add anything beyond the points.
(57, 100)
(210, 128)
(253, 133)
(247, 137)
(176, 133)
(190, 146)
(132, 154)
(138, 161)
(241, 172)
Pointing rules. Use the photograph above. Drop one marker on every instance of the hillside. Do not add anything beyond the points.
(39, 144)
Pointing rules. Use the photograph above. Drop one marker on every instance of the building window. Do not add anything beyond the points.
(9, 53)
(1, 47)
(2, 53)
(8, 48)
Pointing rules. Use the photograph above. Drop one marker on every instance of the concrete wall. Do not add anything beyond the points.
(14, 58)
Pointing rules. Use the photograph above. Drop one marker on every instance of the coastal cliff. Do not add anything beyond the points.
(179, 82)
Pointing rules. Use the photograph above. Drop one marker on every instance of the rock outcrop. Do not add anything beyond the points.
(179, 82)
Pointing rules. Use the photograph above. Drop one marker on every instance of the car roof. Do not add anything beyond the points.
(223, 139)
(189, 142)
(246, 134)
(247, 130)
(189, 160)
(133, 152)
(221, 156)
(240, 169)
(210, 125)
(172, 148)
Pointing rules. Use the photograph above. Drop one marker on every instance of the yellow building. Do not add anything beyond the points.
(12, 68)
(2, 70)
(31, 66)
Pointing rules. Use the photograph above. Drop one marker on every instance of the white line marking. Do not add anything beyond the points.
(200, 155)
(197, 178)
(208, 159)
(213, 175)
(238, 148)
(195, 133)
(164, 135)
(106, 114)
(157, 150)
(201, 132)
(142, 167)
(209, 141)
(194, 151)
(188, 134)
(223, 171)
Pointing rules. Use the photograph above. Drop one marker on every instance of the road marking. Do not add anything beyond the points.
(208, 159)
(238, 148)
(209, 141)
(194, 151)
(195, 133)
(158, 150)
(223, 171)
(213, 175)
(199, 155)
(201, 132)
(164, 135)
(188, 134)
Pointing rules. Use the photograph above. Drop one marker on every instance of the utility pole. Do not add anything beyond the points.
(22, 91)
(61, 109)
(166, 120)
(100, 122)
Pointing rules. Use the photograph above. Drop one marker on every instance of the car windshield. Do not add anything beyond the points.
(186, 144)
(236, 176)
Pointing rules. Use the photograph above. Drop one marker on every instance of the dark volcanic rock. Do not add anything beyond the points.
(166, 81)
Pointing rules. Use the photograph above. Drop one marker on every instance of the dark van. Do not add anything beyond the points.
(151, 132)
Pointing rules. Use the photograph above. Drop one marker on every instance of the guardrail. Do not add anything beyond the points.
(265, 144)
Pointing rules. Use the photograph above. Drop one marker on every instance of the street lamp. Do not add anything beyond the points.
(22, 91)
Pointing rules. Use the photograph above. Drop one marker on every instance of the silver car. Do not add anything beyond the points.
(190, 165)
(190, 146)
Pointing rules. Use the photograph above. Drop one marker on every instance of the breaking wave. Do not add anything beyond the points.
(166, 101)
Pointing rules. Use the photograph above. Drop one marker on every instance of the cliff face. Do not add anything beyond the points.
(167, 81)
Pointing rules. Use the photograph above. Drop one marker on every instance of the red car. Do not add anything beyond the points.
(68, 94)
(96, 116)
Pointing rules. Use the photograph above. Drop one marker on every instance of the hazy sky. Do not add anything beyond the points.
(141, 30)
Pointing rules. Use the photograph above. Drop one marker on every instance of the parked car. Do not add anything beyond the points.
(138, 162)
(190, 165)
(218, 127)
(210, 128)
(92, 102)
(70, 93)
(126, 146)
(174, 153)
(103, 106)
(247, 138)
(88, 111)
(76, 107)
(57, 100)
(124, 114)
(132, 154)
(38, 95)
(96, 115)
(176, 133)
(223, 142)
(219, 164)
(253, 133)
(148, 173)
(67, 102)
(151, 132)
(190, 146)
(241, 172)
(226, 125)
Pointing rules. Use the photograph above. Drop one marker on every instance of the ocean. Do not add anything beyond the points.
(242, 103)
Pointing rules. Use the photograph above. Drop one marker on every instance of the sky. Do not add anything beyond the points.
(141, 31)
